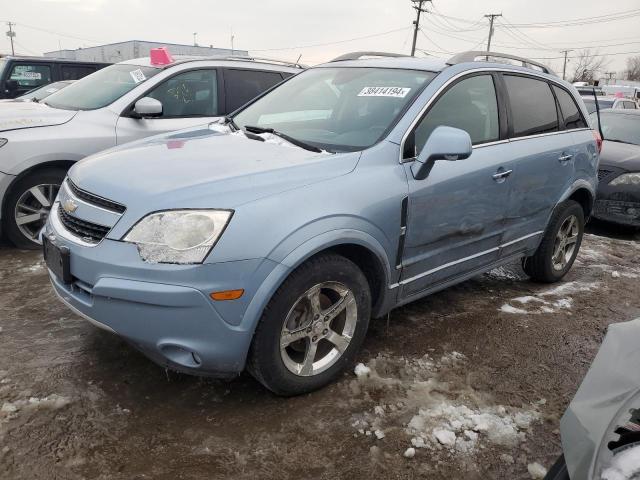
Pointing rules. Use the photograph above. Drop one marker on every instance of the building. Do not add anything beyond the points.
(118, 52)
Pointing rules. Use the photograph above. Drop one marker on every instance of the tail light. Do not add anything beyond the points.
(598, 139)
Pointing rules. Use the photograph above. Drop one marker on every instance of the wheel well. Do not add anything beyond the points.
(66, 164)
(371, 267)
(584, 198)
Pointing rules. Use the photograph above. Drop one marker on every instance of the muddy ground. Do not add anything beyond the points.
(475, 378)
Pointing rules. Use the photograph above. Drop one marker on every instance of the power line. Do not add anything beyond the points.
(582, 21)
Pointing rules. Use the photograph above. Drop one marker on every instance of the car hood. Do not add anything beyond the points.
(609, 390)
(621, 155)
(15, 115)
(202, 168)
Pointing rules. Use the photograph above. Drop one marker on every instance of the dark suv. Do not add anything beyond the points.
(18, 75)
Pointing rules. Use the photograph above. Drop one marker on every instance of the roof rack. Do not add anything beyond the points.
(472, 55)
(242, 58)
(359, 55)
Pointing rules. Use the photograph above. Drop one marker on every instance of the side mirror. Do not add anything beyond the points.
(444, 143)
(11, 85)
(148, 107)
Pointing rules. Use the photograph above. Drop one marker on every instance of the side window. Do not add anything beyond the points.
(244, 85)
(75, 72)
(470, 105)
(569, 109)
(629, 105)
(189, 94)
(30, 76)
(533, 108)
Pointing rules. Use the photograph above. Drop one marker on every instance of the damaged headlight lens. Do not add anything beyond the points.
(178, 236)
(3, 142)
(626, 179)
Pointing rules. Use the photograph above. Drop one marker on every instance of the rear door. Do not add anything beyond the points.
(455, 216)
(188, 98)
(243, 85)
(542, 155)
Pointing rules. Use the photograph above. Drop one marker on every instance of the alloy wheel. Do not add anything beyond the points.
(32, 209)
(318, 328)
(565, 243)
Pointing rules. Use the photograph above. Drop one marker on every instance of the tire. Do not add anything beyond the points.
(558, 471)
(21, 202)
(546, 265)
(293, 315)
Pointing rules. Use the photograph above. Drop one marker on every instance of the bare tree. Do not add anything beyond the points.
(633, 68)
(587, 64)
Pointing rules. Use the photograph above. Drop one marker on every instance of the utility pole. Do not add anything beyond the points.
(564, 66)
(610, 76)
(11, 34)
(416, 22)
(195, 44)
(491, 17)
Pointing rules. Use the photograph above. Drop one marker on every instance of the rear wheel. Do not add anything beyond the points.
(313, 326)
(28, 205)
(559, 246)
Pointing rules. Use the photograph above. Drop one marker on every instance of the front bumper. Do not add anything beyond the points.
(619, 203)
(165, 310)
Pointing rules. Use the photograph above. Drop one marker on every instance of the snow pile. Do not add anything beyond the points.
(536, 471)
(411, 399)
(602, 254)
(624, 466)
(548, 301)
(506, 273)
(51, 402)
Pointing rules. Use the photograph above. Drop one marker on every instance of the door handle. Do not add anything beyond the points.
(565, 158)
(502, 175)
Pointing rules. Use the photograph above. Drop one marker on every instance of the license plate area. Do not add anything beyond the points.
(58, 260)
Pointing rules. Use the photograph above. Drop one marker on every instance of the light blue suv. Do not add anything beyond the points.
(267, 241)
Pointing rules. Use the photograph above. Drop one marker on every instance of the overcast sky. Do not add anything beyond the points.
(267, 27)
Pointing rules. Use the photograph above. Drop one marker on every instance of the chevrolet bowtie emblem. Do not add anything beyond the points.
(69, 206)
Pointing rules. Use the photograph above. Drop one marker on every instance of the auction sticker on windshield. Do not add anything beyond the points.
(397, 92)
(137, 76)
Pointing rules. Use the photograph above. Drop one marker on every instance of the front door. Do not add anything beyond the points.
(456, 215)
(188, 99)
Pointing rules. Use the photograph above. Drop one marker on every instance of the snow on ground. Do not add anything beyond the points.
(550, 300)
(601, 254)
(624, 466)
(536, 471)
(52, 402)
(431, 408)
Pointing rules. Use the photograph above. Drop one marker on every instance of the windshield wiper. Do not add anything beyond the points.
(229, 121)
(284, 136)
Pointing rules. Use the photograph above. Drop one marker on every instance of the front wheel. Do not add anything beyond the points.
(559, 246)
(313, 326)
(28, 205)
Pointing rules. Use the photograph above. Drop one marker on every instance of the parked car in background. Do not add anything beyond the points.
(40, 93)
(618, 197)
(587, 90)
(18, 75)
(115, 105)
(600, 429)
(609, 102)
(270, 239)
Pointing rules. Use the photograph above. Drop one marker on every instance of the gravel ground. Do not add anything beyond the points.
(474, 379)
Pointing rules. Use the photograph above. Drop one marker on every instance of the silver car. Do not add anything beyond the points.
(123, 102)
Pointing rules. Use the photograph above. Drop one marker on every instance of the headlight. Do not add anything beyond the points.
(3, 142)
(178, 236)
(626, 179)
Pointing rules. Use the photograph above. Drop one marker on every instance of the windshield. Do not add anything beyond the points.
(337, 109)
(619, 127)
(44, 91)
(591, 104)
(101, 88)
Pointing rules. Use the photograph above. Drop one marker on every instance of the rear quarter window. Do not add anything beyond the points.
(569, 109)
(533, 107)
(244, 85)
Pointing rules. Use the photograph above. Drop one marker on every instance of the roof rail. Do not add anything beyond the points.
(472, 55)
(359, 55)
(265, 60)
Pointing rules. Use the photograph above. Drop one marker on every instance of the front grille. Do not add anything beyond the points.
(603, 174)
(95, 199)
(88, 231)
